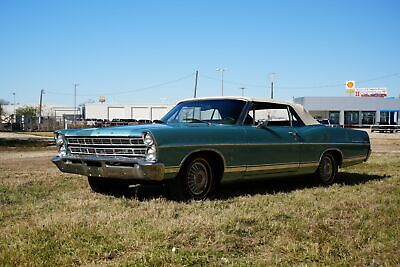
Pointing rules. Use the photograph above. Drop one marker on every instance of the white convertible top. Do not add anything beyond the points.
(304, 115)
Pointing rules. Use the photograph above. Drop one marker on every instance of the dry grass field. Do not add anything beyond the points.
(51, 218)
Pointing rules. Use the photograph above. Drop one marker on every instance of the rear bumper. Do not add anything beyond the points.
(111, 167)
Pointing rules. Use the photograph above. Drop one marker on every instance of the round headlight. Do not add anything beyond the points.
(151, 154)
(62, 152)
(148, 140)
(59, 140)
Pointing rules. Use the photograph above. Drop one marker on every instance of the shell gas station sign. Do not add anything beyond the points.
(350, 87)
(364, 92)
(371, 92)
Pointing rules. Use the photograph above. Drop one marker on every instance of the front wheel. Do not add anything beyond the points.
(327, 169)
(195, 181)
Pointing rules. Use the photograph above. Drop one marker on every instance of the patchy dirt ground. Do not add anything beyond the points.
(385, 142)
(19, 135)
(52, 218)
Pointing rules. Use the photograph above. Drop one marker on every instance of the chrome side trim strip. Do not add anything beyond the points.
(230, 169)
(268, 167)
(309, 164)
(265, 144)
(219, 145)
(272, 167)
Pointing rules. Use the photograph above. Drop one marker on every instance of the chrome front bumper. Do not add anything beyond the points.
(111, 167)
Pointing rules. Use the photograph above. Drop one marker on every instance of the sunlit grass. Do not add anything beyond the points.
(50, 218)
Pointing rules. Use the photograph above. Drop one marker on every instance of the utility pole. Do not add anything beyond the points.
(75, 86)
(222, 70)
(195, 84)
(242, 88)
(272, 77)
(40, 107)
(14, 115)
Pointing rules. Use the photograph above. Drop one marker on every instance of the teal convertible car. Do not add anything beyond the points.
(204, 141)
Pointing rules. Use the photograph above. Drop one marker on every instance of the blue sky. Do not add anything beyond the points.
(148, 51)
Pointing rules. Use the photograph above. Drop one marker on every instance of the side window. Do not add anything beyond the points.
(210, 114)
(189, 113)
(272, 114)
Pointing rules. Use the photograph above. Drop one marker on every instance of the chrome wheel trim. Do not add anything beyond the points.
(326, 168)
(197, 178)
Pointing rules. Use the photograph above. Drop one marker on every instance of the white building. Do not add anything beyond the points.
(102, 111)
(126, 111)
(47, 110)
(353, 111)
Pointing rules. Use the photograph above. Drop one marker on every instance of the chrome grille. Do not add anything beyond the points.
(107, 146)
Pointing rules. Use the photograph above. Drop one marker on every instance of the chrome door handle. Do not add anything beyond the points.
(295, 134)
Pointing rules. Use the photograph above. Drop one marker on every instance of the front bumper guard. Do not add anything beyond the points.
(111, 167)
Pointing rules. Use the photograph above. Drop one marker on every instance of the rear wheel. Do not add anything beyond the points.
(195, 181)
(106, 185)
(327, 169)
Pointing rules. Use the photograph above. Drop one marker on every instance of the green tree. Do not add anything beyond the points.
(2, 102)
(27, 110)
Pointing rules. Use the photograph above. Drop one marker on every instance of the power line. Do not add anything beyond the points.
(303, 87)
(380, 78)
(129, 91)
(75, 86)
(153, 86)
(242, 84)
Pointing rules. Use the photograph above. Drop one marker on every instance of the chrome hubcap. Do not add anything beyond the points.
(197, 178)
(326, 168)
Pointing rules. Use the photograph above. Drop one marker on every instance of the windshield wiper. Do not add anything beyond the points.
(159, 121)
(193, 120)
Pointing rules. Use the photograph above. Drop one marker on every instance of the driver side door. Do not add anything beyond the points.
(272, 142)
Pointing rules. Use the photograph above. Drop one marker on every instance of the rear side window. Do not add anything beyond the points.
(274, 114)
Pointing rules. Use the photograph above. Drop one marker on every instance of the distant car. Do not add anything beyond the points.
(204, 141)
(144, 121)
(328, 122)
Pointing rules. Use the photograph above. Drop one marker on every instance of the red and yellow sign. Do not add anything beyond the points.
(371, 92)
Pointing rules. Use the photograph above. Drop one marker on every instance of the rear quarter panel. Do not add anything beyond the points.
(315, 140)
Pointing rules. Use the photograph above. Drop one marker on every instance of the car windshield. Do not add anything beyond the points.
(206, 111)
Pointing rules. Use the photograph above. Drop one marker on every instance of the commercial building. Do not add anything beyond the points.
(132, 111)
(353, 111)
(349, 111)
(57, 111)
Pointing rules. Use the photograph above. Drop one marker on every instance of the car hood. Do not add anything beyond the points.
(136, 130)
(130, 130)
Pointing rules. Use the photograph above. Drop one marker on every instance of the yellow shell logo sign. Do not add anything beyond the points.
(350, 84)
